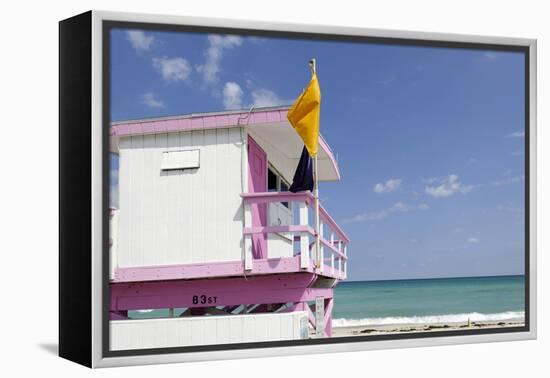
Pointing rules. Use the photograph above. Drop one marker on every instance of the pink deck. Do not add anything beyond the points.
(272, 291)
(218, 270)
(261, 264)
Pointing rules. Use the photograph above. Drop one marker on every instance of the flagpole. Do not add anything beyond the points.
(312, 64)
(317, 223)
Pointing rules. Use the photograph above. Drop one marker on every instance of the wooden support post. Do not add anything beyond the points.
(304, 237)
(321, 256)
(261, 308)
(319, 317)
(230, 309)
(332, 254)
(345, 261)
(310, 314)
(186, 312)
(329, 302)
(247, 245)
(340, 258)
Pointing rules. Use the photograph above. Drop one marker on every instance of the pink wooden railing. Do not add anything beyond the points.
(335, 244)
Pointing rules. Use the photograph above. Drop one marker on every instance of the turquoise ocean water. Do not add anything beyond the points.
(440, 300)
(429, 300)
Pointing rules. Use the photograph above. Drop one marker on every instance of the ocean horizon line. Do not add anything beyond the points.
(433, 278)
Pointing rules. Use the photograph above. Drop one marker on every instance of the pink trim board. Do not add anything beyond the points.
(257, 182)
(224, 292)
(217, 269)
(196, 122)
(209, 121)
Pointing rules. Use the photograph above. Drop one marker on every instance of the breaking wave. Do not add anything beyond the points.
(430, 319)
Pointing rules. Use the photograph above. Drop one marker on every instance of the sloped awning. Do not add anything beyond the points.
(288, 142)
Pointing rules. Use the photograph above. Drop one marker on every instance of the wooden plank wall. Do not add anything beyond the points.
(206, 330)
(181, 216)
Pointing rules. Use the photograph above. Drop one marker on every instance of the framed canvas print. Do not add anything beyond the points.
(232, 189)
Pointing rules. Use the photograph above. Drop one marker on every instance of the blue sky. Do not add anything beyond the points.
(429, 141)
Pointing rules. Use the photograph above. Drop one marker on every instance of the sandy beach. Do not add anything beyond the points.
(433, 327)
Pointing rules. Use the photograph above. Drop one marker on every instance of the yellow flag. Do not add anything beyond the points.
(304, 115)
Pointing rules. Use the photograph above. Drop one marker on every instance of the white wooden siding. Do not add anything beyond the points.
(180, 216)
(205, 330)
(279, 244)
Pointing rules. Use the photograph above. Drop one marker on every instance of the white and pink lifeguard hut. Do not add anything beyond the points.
(205, 223)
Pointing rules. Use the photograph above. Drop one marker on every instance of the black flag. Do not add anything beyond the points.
(303, 177)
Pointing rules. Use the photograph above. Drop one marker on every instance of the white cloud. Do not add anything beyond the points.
(490, 55)
(423, 206)
(447, 187)
(139, 40)
(450, 185)
(265, 98)
(430, 180)
(367, 217)
(387, 79)
(387, 187)
(381, 214)
(172, 69)
(511, 208)
(517, 134)
(214, 54)
(399, 206)
(509, 180)
(149, 99)
(262, 97)
(232, 95)
(472, 240)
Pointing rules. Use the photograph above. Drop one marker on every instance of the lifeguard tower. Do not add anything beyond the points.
(206, 225)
